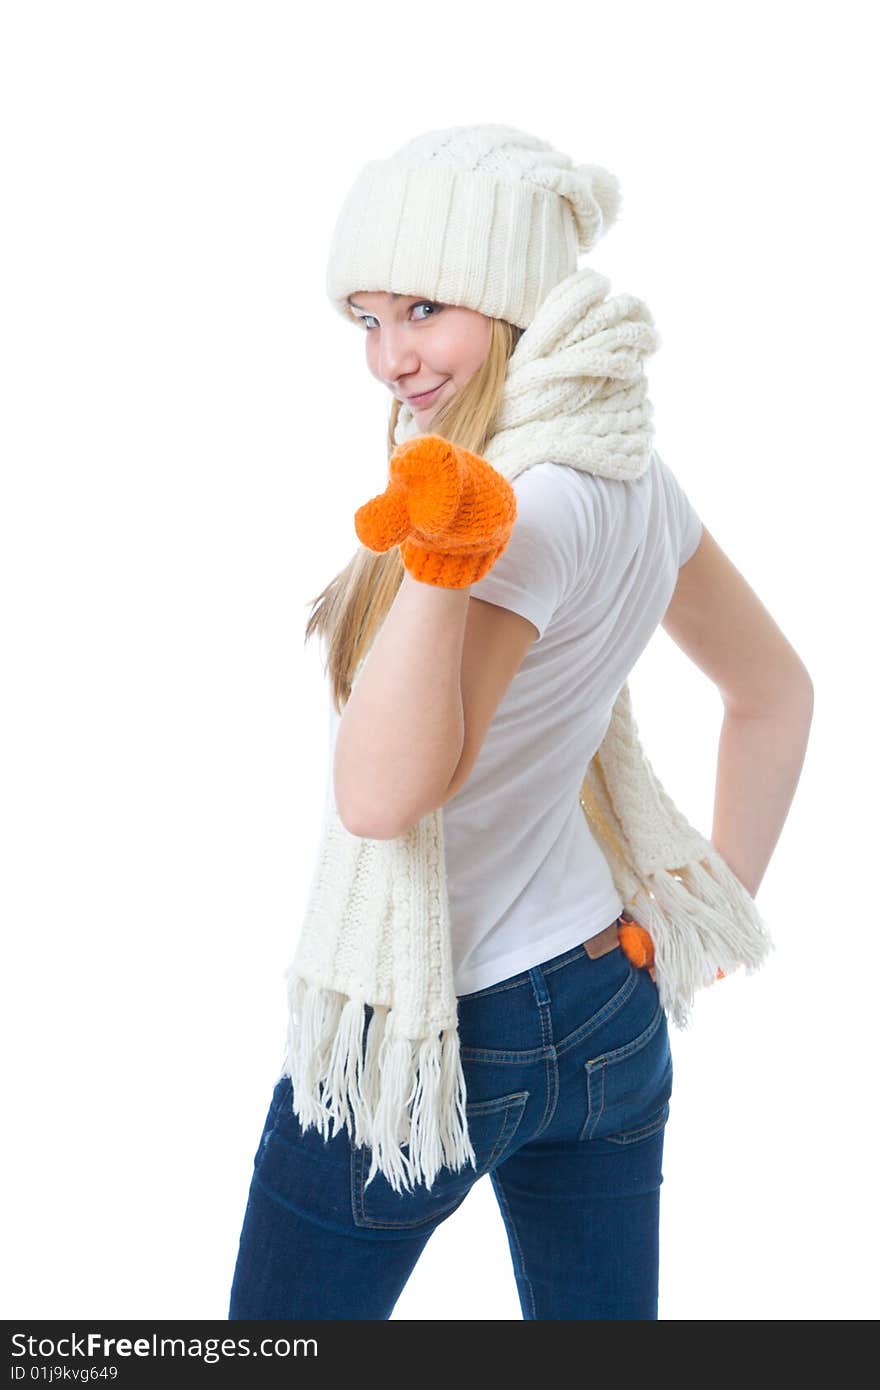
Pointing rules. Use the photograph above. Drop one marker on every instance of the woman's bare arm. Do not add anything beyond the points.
(721, 624)
(403, 727)
(412, 731)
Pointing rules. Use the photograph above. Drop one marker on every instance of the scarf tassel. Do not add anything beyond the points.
(404, 1098)
(700, 920)
(700, 917)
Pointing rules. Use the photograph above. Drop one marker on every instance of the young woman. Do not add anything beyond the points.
(528, 544)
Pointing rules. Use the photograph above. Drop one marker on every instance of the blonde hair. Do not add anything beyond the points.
(350, 610)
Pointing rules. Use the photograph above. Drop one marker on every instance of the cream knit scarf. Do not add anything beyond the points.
(376, 928)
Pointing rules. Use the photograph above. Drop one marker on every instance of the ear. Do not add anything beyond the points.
(496, 640)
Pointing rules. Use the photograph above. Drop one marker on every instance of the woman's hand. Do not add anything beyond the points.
(449, 510)
(638, 946)
(636, 943)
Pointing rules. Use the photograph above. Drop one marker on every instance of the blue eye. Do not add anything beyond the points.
(422, 304)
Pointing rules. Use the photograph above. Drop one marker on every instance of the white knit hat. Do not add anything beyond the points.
(485, 216)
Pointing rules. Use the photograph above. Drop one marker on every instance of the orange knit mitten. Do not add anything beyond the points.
(449, 510)
(637, 944)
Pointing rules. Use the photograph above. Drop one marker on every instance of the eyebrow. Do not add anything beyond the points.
(394, 297)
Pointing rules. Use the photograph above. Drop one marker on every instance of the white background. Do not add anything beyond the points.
(187, 430)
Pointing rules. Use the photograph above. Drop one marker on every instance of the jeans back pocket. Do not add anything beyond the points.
(492, 1125)
(628, 1088)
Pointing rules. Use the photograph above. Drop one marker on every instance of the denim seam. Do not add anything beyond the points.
(516, 1104)
(486, 1054)
(310, 1216)
(552, 1068)
(602, 1016)
(502, 1197)
(619, 1053)
(576, 953)
(550, 1065)
(597, 1067)
(535, 1054)
(631, 1136)
(523, 977)
(595, 1110)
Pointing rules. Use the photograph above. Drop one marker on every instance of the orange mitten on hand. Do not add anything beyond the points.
(449, 510)
(637, 944)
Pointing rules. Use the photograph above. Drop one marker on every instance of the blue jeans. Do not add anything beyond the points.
(569, 1074)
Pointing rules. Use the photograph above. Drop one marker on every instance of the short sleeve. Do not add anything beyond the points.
(541, 562)
(691, 531)
(689, 527)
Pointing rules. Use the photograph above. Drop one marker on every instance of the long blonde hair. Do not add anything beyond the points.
(350, 610)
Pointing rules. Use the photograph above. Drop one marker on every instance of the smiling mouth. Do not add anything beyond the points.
(424, 395)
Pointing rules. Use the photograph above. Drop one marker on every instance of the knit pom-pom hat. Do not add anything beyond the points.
(484, 216)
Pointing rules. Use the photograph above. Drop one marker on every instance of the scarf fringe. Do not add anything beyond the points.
(404, 1098)
(700, 917)
(701, 920)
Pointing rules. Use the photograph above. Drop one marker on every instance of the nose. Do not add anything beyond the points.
(395, 356)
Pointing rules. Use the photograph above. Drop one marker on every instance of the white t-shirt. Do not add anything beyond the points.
(593, 563)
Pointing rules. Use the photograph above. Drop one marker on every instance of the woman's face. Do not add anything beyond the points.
(418, 345)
